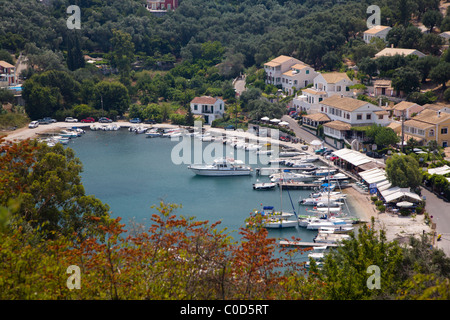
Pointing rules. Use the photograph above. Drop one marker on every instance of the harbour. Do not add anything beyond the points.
(131, 173)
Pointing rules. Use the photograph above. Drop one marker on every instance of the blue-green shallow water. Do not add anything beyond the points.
(131, 173)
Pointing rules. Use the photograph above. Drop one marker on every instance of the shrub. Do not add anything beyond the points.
(374, 198)
(379, 203)
(381, 208)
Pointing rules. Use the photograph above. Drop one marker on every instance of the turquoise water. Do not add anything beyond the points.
(131, 173)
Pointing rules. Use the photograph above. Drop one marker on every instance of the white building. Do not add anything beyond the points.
(210, 108)
(299, 76)
(389, 52)
(275, 68)
(325, 85)
(345, 113)
(376, 32)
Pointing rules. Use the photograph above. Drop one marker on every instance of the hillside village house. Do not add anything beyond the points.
(299, 76)
(376, 32)
(325, 85)
(161, 6)
(345, 113)
(386, 52)
(383, 87)
(429, 125)
(276, 67)
(208, 107)
(7, 74)
(438, 107)
(406, 108)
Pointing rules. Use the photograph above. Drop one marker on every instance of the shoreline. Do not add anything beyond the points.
(395, 226)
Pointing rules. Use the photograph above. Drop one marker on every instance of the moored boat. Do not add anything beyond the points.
(222, 167)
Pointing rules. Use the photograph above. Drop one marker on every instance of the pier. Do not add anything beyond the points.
(305, 186)
(285, 243)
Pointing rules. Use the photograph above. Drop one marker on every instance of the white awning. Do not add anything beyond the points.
(440, 170)
(354, 157)
(397, 194)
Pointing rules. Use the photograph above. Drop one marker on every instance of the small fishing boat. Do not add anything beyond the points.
(264, 185)
(152, 133)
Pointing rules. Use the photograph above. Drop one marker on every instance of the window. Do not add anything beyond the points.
(421, 132)
(320, 99)
(368, 116)
(307, 71)
(359, 116)
(348, 115)
(338, 88)
(444, 130)
(195, 107)
(380, 117)
(431, 133)
(347, 89)
(295, 81)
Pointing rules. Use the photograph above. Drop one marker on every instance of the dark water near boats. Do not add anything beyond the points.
(131, 173)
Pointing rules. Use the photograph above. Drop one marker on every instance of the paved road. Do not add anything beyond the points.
(439, 210)
(299, 131)
(239, 86)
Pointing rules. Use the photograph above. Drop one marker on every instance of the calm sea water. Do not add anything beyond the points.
(131, 173)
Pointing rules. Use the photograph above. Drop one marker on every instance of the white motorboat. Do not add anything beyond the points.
(321, 202)
(290, 176)
(277, 223)
(336, 229)
(152, 133)
(325, 172)
(290, 153)
(334, 194)
(316, 225)
(222, 167)
(68, 134)
(264, 185)
(330, 238)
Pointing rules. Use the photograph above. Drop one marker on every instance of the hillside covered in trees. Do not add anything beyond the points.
(198, 49)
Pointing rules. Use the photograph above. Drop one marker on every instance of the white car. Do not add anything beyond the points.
(33, 124)
(70, 119)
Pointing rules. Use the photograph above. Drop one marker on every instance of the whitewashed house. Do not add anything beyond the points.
(208, 107)
(376, 32)
(325, 85)
(389, 52)
(346, 112)
(299, 76)
(276, 67)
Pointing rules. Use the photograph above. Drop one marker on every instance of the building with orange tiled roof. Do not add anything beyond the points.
(209, 108)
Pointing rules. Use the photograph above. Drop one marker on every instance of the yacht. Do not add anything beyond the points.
(222, 167)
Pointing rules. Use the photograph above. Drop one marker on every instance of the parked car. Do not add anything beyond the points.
(374, 154)
(321, 151)
(104, 120)
(135, 120)
(42, 121)
(33, 124)
(70, 119)
(49, 120)
(88, 120)
(150, 121)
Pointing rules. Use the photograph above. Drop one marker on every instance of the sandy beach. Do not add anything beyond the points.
(396, 226)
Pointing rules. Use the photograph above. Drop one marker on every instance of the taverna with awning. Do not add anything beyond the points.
(377, 178)
(357, 161)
